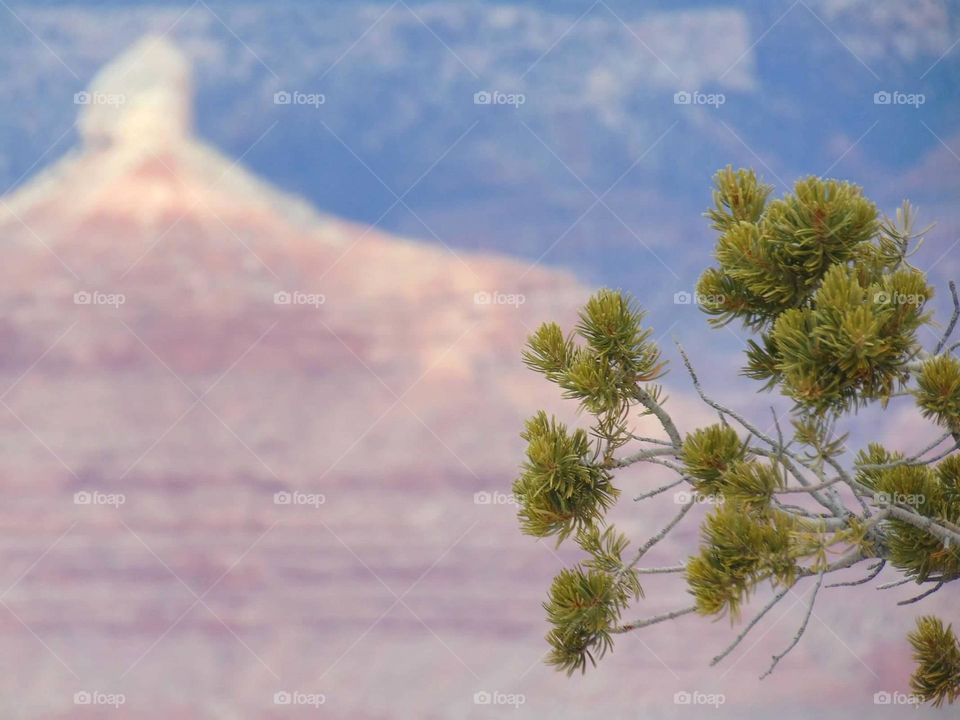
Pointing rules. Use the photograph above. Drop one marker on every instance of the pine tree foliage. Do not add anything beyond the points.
(715, 458)
(741, 547)
(938, 391)
(560, 490)
(709, 452)
(825, 285)
(583, 605)
(738, 196)
(585, 602)
(818, 276)
(937, 654)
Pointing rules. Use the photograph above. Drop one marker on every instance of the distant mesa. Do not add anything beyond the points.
(200, 249)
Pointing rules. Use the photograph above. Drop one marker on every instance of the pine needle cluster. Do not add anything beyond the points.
(585, 602)
(938, 391)
(741, 547)
(716, 458)
(823, 281)
(560, 490)
(937, 654)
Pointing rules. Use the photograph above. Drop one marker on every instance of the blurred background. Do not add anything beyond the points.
(266, 273)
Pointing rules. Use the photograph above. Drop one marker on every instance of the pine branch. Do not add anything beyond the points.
(837, 509)
(642, 550)
(810, 488)
(876, 570)
(915, 459)
(803, 628)
(661, 489)
(950, 537)
(643, 455)
(922, 595)
(637, 624)
(660, 570)
(756, 618)
(894, 584)
(953, 318)
(653, 441)
(826, 287)
(650, 403)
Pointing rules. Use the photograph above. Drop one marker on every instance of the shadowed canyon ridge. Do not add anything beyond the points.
(242, 443)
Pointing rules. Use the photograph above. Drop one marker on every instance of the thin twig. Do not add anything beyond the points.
(810, 488)
(797, 510)
(643, 455)
(717, 406)
(915, 459)
(648, 401)
(663, 533)
(661, 570)
(803, 627)
(757, 618)
(876, 569)
(653, 441)
(782, 453)
(823, 524)
(848, 481)
(654, 620)
(776, 424)
(953, 319)
(895, 583)
(855, 554)
(659, 490)
(667, 464)
(922, 595)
